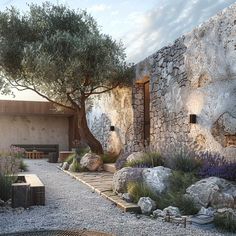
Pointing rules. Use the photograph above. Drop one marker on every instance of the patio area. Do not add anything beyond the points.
(72, 205)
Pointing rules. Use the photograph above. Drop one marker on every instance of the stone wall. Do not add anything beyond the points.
(194, 75)
(113, 109)
(33, 130)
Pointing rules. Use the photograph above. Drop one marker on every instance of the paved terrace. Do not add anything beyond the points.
(71, 204)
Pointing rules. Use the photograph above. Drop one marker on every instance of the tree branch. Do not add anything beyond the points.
(24, 87)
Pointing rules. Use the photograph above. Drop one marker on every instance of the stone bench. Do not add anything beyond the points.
(31, 191)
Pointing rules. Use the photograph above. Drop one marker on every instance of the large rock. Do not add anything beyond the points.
(147, 205)
(157, 178)
(135, 156)
(91, 161)
(123, 176)
(214, 192)
(172, 211)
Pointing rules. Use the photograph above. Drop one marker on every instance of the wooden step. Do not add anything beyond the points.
(109, 167)
(101, 183)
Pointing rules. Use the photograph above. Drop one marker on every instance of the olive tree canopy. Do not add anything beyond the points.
(61, 55)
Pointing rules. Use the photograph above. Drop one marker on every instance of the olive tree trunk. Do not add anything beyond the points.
(85, 133)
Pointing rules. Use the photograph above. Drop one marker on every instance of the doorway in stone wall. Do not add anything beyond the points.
(146, 113)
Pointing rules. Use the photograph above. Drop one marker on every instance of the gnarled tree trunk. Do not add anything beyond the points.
(85, 133)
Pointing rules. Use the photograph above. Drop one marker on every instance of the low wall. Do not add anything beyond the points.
(33, 130)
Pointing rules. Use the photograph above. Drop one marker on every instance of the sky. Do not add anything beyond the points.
(144, 26)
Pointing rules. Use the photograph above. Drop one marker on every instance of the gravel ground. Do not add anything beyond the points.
(72, 205)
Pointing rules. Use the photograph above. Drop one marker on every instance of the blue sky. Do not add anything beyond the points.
(144, 26)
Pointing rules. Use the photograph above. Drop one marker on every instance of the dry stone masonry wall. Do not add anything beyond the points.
(195, 75)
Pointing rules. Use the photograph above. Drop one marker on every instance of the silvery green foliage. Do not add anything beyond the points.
(59, 53)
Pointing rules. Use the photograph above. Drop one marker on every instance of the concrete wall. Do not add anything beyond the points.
(33, 130)
(194, 75)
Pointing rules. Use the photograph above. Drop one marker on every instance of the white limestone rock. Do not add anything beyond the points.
(158, 213)
(123, 176)
(172, 211)
(135, 156)
(147, 205)
(65, 166)
(91, 161)
(210, 211)
(157, 178)
(214, 192)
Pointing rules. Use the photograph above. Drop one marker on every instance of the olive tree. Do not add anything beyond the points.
(61, 55)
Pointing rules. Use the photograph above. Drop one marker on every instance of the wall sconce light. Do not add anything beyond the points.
(192, 119)
(112, 128)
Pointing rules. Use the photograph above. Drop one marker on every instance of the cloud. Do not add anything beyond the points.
(99, 8)
(168, 20)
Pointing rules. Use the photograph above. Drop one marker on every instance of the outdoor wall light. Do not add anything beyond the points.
(192, 119)
(112, 128)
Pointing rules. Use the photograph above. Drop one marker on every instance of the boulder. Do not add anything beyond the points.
(123, 176)
(157, 178)
(135, 156)
(210, 211)
(147, 205)
(214, 192)
(91, 161)
(158, 213)
(172, 211)
(65, 166)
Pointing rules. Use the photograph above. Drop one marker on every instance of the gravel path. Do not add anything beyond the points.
(72, 205)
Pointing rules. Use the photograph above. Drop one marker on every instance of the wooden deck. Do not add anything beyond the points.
(101, 182)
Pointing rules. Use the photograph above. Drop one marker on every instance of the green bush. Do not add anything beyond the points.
(23, 166)
(76, 167)
(149, 160)
(109, 158)
(178, 183)
(70, 158)
(226, 222)
(5, 186)
(182, 158)
(185, 205)
(138, 190)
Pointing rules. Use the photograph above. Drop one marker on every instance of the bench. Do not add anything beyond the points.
(45, 148)
(30, 192)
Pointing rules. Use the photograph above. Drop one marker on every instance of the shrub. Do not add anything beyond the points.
(149, 160)
(5, 186)
(108, 158)
(76, 167)
(23, 166)
(178, 183)
(138, 190)
(213, 164)
(17, 152)
(181, 157)
(171, 198)
(121, 160)
(70, 158)
(9, 166)
(226, 222)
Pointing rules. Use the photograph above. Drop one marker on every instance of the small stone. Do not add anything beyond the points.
(127, 197)
(207, 211)
(172, 211)
(65, 166)
(158, 213)
(147, 205)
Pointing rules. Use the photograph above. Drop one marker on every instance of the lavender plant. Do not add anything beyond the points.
(213, 164)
